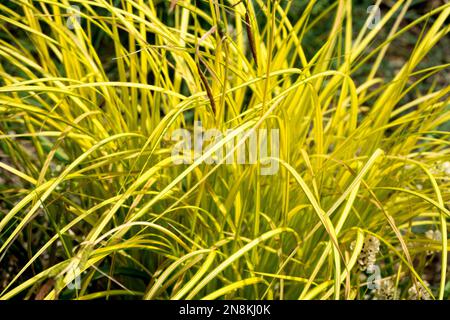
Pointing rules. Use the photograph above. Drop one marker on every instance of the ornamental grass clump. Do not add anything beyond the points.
(95, 203)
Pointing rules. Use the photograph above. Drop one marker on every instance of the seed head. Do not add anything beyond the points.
(368, 254)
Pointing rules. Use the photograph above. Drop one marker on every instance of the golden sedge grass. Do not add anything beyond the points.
(90, 194)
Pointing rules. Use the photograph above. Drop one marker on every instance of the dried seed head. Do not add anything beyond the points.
(386, 291)
(368, 254)
(418, 292)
